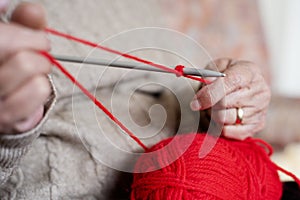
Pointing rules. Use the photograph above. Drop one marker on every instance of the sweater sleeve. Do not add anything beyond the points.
(14, 147)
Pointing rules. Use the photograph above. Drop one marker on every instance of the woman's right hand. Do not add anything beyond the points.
(244, 88)
(24, 86)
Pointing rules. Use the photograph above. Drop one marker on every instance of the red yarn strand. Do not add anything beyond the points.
(270, 149)
(94, 99)
(88, 43)
(178, 71)
(297, 180)
(263, 143)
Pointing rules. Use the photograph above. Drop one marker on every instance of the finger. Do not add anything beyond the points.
(238, 132)
(242, 97)
(229, 116)
(31, 15)
(258, 102)
(241, 132)
(24, 125)
(257, 95)
(224, 116)
(220, 64)
(14, 38)
(30, 122)
(25, 100)
(207, 95)
(20, 68)
(236, 78)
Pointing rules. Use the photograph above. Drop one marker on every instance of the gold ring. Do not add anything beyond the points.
(239, 116)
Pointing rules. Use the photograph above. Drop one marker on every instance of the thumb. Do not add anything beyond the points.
(30, 15)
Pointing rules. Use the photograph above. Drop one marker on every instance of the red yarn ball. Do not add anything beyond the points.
(232, 170)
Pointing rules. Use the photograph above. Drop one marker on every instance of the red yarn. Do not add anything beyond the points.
(178, 71)
(232, 170)
(156, 65)
(94, 99)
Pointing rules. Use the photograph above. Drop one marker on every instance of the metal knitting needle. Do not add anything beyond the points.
(130, 65)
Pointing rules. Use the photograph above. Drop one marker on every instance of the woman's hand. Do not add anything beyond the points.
(243, 89)
(24, 86)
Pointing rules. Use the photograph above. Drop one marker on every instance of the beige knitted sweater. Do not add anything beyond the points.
(76, 152)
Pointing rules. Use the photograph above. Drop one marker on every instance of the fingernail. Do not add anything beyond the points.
(3, 4)
(195, 105)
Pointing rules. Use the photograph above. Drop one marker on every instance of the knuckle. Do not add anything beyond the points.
(203, 96)
(30, 63)
(234, 82)
(213, 94)
(22, 62)
(209, 99)
(220, 64)
(33, 39)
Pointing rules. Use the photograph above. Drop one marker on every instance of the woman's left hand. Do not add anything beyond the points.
(239, 101)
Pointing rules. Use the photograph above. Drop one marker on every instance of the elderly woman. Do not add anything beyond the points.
(79, 153)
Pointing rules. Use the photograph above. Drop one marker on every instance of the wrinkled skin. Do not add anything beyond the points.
(243, 87)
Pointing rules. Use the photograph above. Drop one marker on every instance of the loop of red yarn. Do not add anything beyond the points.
(179, 69)
(232, 170)
(180, 72)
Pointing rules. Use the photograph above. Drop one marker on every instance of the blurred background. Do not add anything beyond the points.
(281, 27)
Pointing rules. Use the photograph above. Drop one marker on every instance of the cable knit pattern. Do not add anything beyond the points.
(13, 147)
(75, 149)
